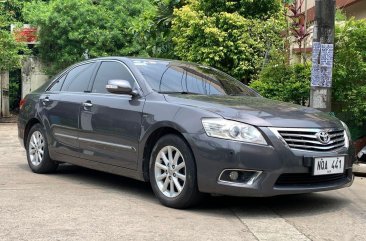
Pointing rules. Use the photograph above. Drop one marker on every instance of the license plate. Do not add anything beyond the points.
(328, 165)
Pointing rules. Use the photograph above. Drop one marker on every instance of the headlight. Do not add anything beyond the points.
(232, 130)
(347, 131)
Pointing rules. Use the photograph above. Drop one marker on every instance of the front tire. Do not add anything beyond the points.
(38, 157)
(173, 173)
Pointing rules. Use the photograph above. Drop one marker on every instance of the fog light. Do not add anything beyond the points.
(238, 177)
(234, 175)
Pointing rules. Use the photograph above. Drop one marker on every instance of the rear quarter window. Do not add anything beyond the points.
(56, 85)
(77, 80)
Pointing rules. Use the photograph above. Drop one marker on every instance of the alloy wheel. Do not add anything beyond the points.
(170, 171)
(36, 148)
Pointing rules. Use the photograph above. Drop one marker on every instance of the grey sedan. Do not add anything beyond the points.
(186, 128)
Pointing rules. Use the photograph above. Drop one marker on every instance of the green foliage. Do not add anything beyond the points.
(340, 15)
(14, 89)
(14, 9)
(159, 37)
(349, 81)
(258, 9)
(69, 28)
(279, 81)
(292, 82)
(226, 40)
(10, 50)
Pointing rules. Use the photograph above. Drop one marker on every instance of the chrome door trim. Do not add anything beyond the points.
(108, 144)
(66, 136)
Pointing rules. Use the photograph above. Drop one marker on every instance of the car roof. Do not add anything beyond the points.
(132, 59)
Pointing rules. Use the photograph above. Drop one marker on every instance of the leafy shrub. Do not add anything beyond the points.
(279, 81)
(349, 82)
(14, 89)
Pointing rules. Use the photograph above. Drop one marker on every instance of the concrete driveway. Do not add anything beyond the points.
(81, 204)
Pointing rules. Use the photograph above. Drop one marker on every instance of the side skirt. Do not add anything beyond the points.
(99, 166)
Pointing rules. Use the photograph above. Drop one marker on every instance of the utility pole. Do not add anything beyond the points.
(322, 56)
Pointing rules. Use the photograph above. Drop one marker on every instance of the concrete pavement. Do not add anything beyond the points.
(80, 204)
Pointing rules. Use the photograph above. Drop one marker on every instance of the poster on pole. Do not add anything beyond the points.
(322, 65)
(326, 55)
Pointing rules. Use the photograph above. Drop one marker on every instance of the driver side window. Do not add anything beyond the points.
(111, 71)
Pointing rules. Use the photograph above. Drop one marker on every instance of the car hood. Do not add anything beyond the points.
(258, 111)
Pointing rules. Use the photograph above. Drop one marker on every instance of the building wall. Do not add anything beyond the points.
(32, 75)
(357, 10)
(352, 8)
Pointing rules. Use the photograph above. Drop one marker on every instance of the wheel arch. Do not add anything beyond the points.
(28, 127)
(150, 143)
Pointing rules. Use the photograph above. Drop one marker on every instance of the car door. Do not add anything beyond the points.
(61, 105)
(111, 123)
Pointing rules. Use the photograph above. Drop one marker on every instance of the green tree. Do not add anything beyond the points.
(69, 29)
(349, 77)
(257, 9)
(225, 38)
(13, 8)
(159, 38)
(10, 50)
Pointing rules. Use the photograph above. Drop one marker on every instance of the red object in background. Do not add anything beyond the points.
(359, 144)
(21, 103)
(26, 34)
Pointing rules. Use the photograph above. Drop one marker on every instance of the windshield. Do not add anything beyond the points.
(177, 77)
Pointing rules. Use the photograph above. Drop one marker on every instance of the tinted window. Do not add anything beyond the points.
(111, 71)
(170, 76)
(78, 78)
(56, 85)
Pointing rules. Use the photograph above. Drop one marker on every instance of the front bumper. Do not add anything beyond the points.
(276, 160)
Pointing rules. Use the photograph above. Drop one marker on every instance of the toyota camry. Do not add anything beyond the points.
(186, 128)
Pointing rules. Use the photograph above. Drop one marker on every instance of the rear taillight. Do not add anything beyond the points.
(21, 103)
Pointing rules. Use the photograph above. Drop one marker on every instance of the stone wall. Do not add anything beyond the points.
(32, 75)
(4, 94)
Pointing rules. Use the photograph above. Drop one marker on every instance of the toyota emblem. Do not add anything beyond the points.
(323, 137)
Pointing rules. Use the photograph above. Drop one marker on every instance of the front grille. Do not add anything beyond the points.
(293, 179)
(308, 140)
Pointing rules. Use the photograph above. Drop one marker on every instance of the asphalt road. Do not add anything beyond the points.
(81, 204)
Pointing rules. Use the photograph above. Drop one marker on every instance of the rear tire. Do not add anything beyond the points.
(172, 172)
(38, 157)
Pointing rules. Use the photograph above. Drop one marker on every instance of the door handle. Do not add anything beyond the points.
(46, 100)
(87, 105)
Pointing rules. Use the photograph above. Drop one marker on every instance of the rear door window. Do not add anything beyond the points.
(111, 71)
(78, 78)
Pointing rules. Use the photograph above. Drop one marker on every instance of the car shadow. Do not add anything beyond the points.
(96, 179)
(288, 205)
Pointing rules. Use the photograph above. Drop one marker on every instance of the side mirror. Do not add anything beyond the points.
(120, 87)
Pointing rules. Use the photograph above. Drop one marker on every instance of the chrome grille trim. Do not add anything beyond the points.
(305, 139)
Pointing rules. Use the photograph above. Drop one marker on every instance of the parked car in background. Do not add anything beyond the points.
(362, 155)
(186, 128)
